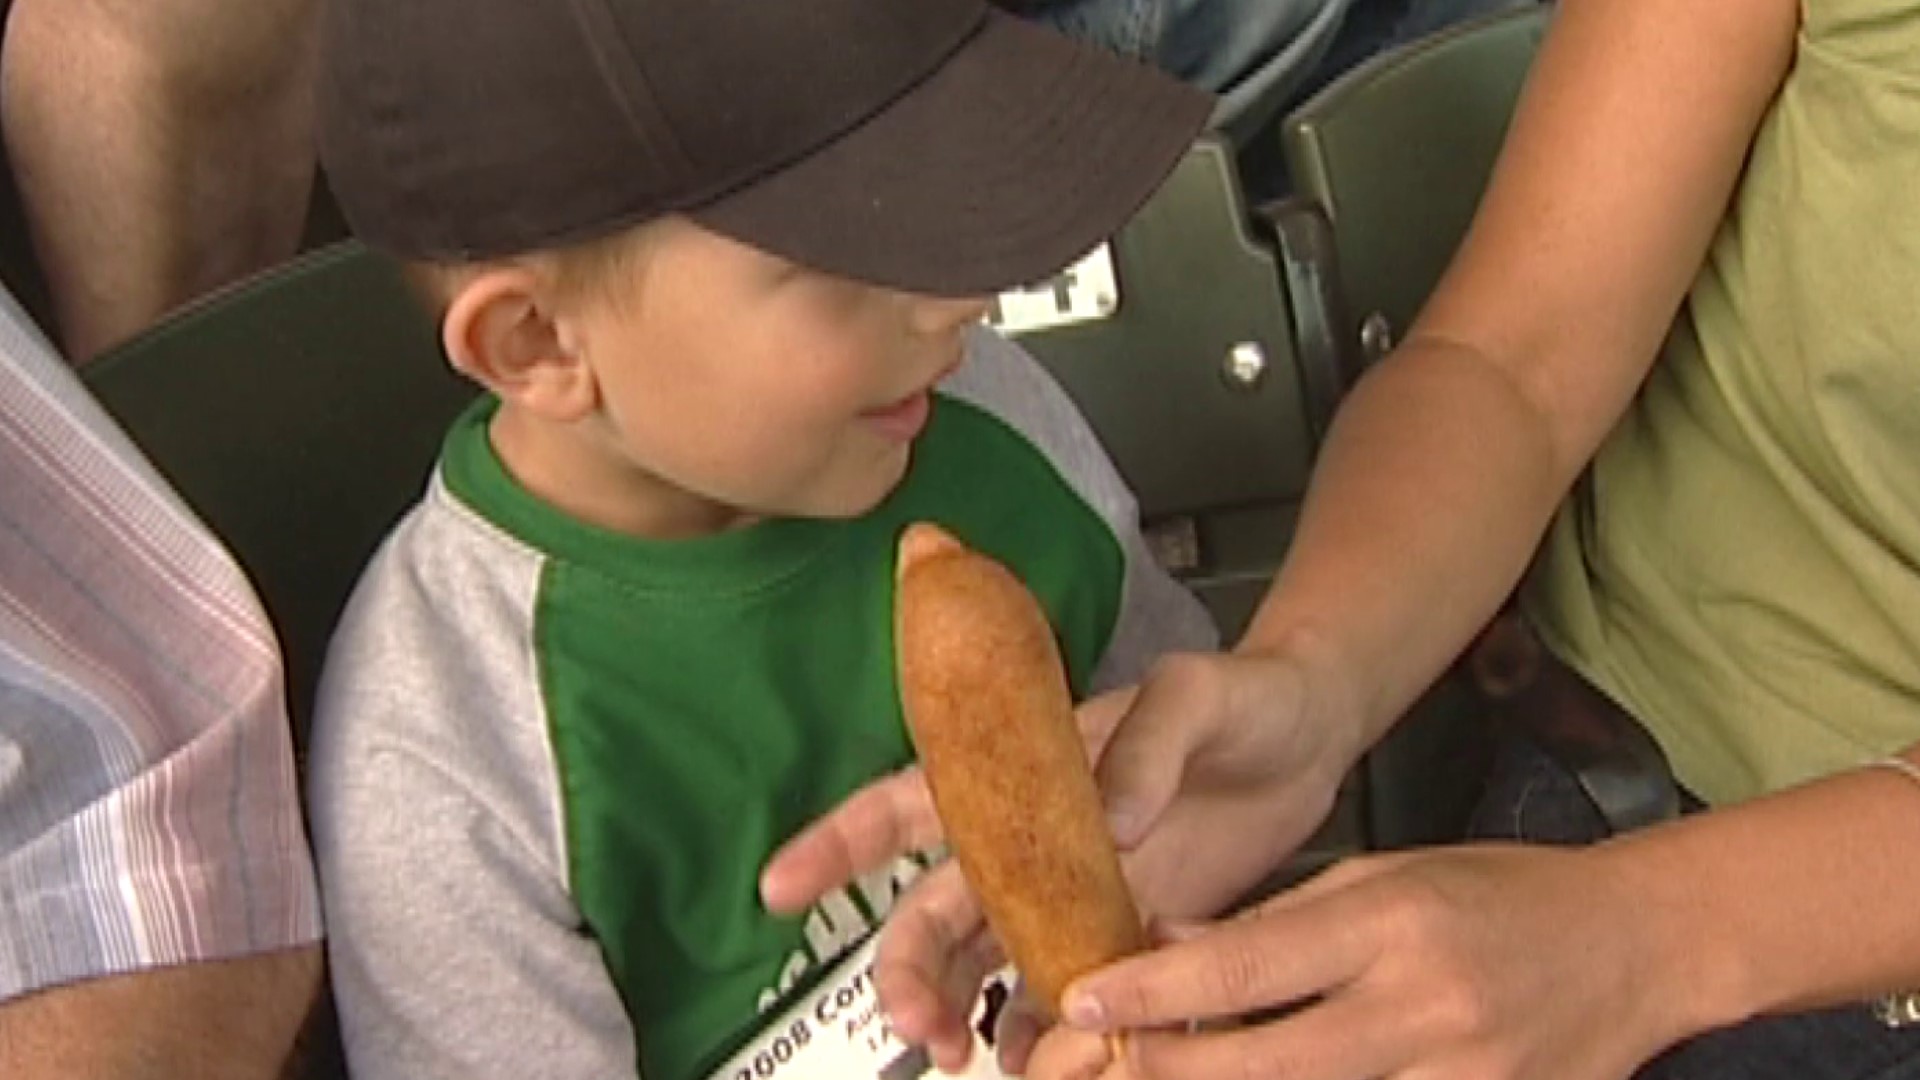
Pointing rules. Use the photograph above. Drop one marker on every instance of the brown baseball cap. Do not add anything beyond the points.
(936, 146)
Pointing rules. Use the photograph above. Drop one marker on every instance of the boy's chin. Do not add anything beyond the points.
(852, 507)
(856, 499)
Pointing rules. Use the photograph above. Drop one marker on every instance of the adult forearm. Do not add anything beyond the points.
(216, 1020)
(1446, 463)
(184, 159)
(1797, 900)
(1432, 490)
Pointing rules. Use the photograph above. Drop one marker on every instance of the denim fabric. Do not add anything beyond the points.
(1532, 798)
(1215, 44)
(1373, 26)
(1257, 49)
(1262, 57)
(1131, 28)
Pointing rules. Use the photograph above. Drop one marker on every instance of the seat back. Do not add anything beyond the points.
(298, 413)
(1207, 390)
(1191, 379)
(1397, 152)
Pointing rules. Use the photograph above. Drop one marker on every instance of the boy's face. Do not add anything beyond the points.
(733, 380)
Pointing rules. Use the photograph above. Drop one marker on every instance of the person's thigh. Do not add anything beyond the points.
(1215, 44)
(1532, 798)
(224, 39)
(1131, 28)
(1247, 47)
(1831, 1044)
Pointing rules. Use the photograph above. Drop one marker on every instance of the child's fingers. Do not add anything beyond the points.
(931, 957)
(879, 823)
(1065, 1054)
(1098, 717)
(1019, 1028)
(1165, 931)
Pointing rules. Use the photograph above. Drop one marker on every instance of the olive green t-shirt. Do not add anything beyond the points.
(1741, 566)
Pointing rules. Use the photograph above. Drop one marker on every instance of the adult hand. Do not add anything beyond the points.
(1221, 766)
(1214, 771)
(1470, 963)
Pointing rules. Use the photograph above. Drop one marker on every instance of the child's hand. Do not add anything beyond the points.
(935, 951)
(888, 818)
(1066, 1054)
(1213, 771)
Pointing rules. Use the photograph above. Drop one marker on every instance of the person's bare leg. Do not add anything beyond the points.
(217, 1020)
(162, 147)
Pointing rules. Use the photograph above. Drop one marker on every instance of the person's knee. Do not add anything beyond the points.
(203, 46)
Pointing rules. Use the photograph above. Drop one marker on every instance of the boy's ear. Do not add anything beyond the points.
(500, 330)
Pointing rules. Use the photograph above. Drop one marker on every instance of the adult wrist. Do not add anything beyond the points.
(1330, 696)
(1691, 968)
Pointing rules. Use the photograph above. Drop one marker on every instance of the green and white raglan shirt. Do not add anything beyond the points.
(550, 761)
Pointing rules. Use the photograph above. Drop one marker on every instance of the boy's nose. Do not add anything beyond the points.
(939, 315)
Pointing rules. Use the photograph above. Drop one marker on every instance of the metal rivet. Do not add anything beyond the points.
(1246, 365)
(1376, 336)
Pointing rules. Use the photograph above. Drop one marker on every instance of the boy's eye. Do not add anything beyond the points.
(775, 270)
(783, 272)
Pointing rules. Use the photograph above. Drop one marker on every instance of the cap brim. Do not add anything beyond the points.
(1015, 157)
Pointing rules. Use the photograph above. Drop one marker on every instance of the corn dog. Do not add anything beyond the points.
(991, 717)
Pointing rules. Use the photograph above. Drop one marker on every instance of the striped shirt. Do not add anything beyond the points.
(148, 806)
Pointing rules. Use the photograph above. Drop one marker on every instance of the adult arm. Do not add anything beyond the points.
(1496, 962)
(213, 1020)
(1446, 462)
(162, 147)
(158, 916)
(1436, 483)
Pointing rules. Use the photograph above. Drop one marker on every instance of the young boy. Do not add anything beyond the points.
(711, 259)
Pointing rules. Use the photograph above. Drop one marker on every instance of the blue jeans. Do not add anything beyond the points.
(1215, 44)
(1374, 26)
(1262, 57)
(1530, 797)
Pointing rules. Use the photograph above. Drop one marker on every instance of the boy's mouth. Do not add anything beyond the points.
(903, 420)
